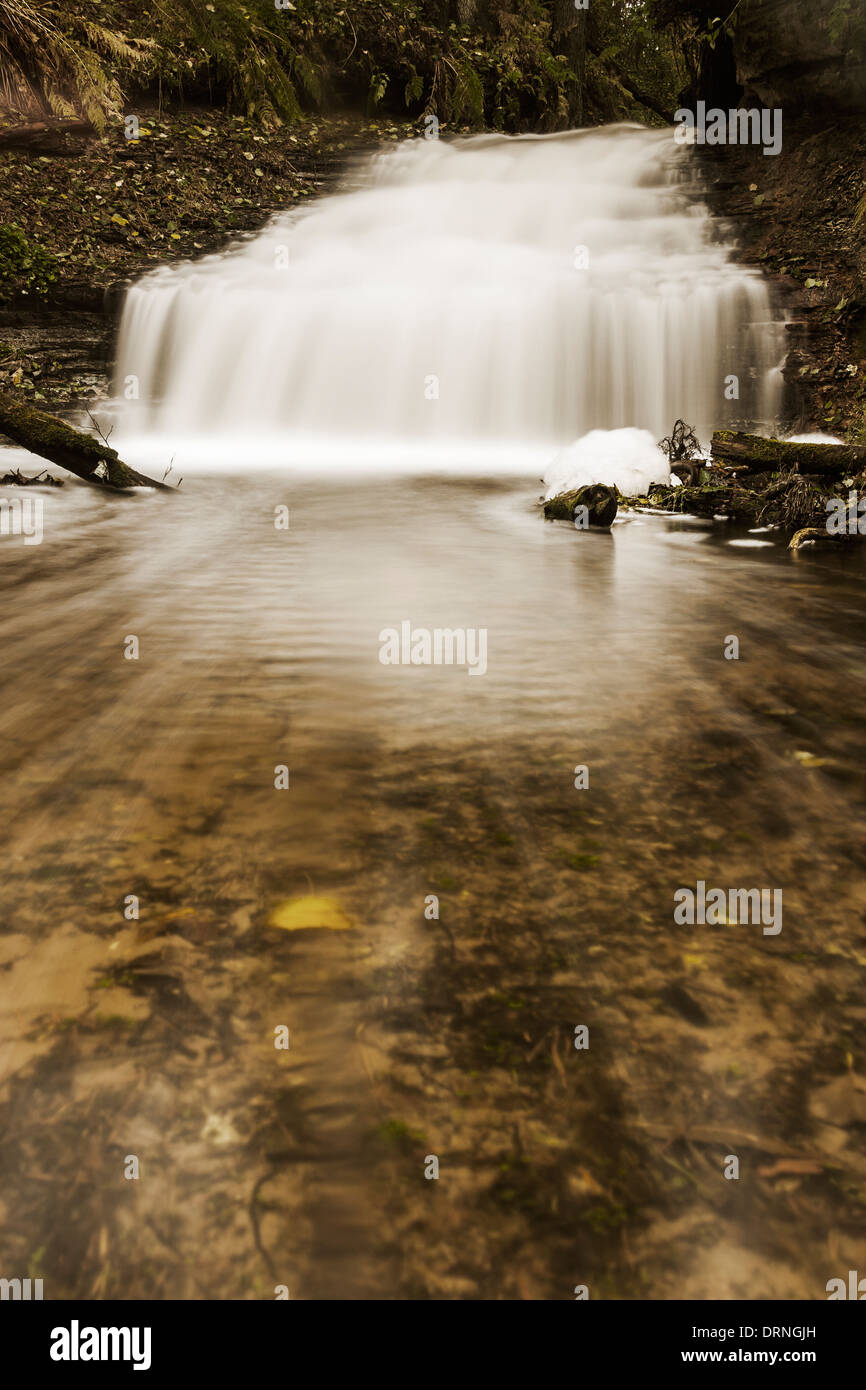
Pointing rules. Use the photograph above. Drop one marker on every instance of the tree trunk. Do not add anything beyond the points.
(748, 453)
(73, 450)
(569, 33)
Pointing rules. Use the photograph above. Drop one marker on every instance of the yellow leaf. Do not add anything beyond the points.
(806, 759)
(694, 962)
(121, 221)
(310, 913)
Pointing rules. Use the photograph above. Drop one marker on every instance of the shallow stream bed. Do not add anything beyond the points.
(413, 1037)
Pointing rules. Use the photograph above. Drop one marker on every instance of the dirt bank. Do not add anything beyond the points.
(96, 212)
(801, 216)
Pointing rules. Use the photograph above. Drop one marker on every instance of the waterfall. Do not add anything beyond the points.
(493, 289)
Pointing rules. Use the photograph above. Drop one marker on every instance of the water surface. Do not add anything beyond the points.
(411, 1037)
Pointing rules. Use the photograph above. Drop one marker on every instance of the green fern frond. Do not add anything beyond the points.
(115, 45)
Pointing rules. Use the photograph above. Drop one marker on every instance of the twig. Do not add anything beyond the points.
(104, 437)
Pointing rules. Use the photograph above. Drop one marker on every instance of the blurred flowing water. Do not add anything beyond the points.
(490, 291)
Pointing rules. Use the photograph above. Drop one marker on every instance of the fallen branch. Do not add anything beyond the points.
(715, 498)
(18, 136)
(18, 479)
(640, 94)
(79, 453)
(749, 453)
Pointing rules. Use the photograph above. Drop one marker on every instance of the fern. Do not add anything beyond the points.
(467, 98)
(414, 89)
(309, 77)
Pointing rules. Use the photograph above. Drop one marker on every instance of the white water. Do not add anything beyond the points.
(436, 308)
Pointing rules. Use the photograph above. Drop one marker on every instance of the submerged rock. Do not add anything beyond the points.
(593, 505)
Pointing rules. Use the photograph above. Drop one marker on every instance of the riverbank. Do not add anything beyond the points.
(96, 212)
(800, 217)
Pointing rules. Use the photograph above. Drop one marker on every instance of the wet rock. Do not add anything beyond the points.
(788, 53)
(593, 505)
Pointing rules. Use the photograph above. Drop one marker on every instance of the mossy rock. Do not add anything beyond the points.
(599, 504)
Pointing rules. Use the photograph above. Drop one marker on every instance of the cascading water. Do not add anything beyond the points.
(488, 291)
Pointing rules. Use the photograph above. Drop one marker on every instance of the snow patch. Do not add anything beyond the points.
(628, 459)
(813, 439)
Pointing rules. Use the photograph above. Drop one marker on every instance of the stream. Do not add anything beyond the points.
(149, 1030)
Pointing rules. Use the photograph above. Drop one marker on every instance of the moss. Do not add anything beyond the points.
(25, 266)
(559, 508)
(397, 1134)
(606, 1218)
(600, 504)
(50, 438)
(580, 863)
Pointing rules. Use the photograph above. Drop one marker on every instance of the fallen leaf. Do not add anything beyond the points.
(310, 913)
(693, 961)
(808, 759)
